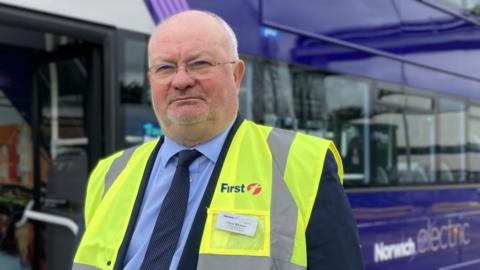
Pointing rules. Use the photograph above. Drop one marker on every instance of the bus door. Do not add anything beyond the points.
(67, 139)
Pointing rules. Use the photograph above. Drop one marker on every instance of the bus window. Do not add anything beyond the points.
(387, 134)
(470, 6)
(269, 89)
(348, 106)
(417, 152)
(473, 146)
(139, 123)
(309, 100)
(451, 158)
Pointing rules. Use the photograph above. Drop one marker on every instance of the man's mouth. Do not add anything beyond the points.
(186, 99)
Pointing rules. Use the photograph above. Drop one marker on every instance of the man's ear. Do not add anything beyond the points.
(238, 72)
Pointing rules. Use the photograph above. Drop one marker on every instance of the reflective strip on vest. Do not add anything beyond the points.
(79, 266)
(283, 211)
(116, 168)
(211, 262)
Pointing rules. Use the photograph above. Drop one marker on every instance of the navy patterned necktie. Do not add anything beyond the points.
(169, 222)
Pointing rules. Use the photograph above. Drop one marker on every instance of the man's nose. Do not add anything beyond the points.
(182, 80)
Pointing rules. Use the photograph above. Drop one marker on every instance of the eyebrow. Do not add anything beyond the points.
(198, 55)
(190, 58)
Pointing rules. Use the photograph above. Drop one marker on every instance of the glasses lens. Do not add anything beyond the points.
(199, 67)
(163, 71)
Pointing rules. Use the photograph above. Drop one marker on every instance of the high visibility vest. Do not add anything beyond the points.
(270, 176)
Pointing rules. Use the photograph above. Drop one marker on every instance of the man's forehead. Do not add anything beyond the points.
(190, 26)
(182, 46)
(179, 38)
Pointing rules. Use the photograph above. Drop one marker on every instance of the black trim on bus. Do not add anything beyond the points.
(36, 133)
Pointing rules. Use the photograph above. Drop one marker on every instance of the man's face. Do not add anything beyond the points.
(183, 98)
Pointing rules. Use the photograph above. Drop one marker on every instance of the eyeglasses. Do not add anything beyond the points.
(198, 69)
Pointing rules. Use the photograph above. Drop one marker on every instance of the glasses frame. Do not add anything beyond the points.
(168, 77)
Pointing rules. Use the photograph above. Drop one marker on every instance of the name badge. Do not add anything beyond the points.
(236, 223)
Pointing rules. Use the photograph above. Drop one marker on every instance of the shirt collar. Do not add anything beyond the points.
(210, 149)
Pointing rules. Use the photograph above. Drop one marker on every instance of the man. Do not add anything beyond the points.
(244, 198)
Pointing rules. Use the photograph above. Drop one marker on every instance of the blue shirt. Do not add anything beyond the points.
(159, 183)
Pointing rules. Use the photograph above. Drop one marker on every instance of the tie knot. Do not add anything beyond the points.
(185, 157)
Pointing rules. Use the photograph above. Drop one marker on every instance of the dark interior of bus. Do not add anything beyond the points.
(50, 102)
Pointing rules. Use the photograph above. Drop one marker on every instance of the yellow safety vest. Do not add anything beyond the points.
(270, 175)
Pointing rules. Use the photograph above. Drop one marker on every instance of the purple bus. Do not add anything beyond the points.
(394, 83)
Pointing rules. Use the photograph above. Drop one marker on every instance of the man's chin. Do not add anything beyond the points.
(188, 120)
